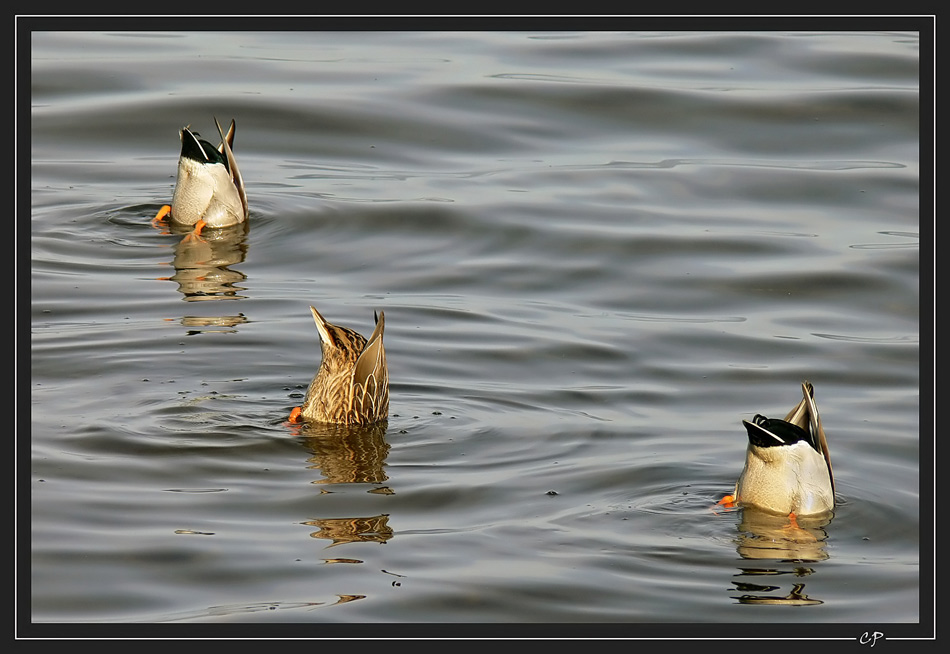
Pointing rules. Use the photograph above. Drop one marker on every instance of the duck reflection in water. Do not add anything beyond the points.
(203, 273)
(374, 529)
(765, 537)
(203, 267)
(347, 454)
(795, 597)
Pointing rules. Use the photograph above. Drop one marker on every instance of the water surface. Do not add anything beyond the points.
(597, 252)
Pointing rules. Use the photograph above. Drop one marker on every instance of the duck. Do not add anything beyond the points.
(788, 467)
(352, 384)
(209, 191)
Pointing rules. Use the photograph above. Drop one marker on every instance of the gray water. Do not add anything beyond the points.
(597, 253)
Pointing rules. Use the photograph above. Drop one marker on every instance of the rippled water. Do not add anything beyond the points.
(597, 252)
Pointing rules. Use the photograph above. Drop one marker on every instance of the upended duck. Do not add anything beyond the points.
(788, 467)
(352, 383)
(209, 191)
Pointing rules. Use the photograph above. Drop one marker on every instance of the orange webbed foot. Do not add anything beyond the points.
(295, 415)
(195, 234)
(161, 215)
(727, 502)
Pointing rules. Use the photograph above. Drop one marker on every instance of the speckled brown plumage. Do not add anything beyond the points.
(352, 384)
